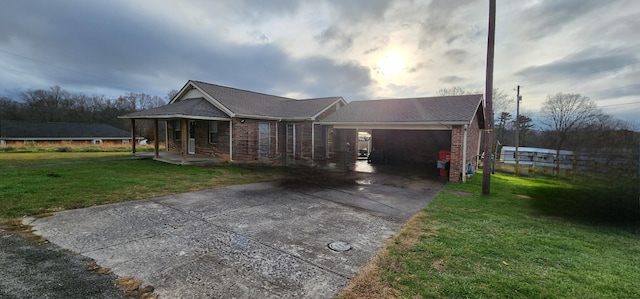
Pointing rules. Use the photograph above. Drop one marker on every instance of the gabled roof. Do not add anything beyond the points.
(222, 103)
(20, 130)
(244, 103)
(444, 110)
(198, 108)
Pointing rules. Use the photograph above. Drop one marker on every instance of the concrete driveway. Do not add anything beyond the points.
(264, 240)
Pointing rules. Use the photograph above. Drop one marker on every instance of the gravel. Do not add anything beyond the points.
(35, 270)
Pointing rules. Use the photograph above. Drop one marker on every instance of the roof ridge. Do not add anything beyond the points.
(244, 90)
(419, 98)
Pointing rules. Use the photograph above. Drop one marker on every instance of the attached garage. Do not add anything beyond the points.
(413, 130)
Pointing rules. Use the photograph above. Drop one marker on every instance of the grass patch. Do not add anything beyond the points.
(24, 159)
(53, 147)
(523, 241)
(43, 189)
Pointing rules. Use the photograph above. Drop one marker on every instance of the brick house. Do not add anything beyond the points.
(414, 131)
(20, 133)
(226, 124)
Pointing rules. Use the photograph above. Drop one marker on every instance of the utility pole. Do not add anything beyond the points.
(486, 164)
(518, 99)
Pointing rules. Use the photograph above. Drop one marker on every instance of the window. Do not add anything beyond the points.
(177, 134)
(264, 130)
(213, 132)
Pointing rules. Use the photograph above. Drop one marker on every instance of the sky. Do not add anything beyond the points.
(357, 49)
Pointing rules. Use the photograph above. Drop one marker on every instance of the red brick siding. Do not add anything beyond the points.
(457, 141)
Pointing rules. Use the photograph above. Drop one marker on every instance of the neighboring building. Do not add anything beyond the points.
(532, 156)
(232, 125)
(30, 133)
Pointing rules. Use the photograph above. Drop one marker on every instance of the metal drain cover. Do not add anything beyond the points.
(339, 246)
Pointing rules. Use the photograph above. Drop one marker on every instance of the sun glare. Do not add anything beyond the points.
(391, 64)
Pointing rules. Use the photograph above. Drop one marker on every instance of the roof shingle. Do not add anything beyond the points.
(415, 110)
(59, 130)
(198, 107)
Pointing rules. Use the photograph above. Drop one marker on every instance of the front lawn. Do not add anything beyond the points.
(42, 189)
(529, 239)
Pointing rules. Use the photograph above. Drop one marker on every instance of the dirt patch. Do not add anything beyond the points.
(26, 231)
(368, 282)
(439, 265)
(523, 196)
(131, 287)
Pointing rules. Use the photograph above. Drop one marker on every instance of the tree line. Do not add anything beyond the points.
(566, 121)
(58, 105)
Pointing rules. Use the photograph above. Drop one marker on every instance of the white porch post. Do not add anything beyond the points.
(184, 135)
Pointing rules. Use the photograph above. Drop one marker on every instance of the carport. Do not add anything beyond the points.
(413, 131)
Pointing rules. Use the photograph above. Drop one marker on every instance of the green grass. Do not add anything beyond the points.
(522, 241)
(42, 189)
(40, 158)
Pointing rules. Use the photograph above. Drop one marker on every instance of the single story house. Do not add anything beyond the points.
(32, 133)
(232, 125)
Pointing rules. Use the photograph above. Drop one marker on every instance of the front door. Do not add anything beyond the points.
(191, 146)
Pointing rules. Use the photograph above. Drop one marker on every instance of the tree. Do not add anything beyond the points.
(525, 124)
(503, 118)
(563, 114)
(171, 94)
(454, 91)
(501, 100)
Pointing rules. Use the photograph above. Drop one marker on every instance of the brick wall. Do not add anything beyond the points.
(457, 141)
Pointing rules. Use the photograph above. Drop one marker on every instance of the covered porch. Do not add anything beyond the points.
(181, 118)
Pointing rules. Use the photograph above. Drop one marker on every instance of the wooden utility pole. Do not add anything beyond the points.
(518, 98)
(488, 112)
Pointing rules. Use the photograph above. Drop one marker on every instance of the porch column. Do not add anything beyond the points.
(183, 132)
(155, 138)
(133, 136)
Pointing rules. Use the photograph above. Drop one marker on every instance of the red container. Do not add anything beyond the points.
(445, 156)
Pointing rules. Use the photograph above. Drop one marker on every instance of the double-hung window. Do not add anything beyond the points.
(264, 130)
(177, 132)
(213, 132)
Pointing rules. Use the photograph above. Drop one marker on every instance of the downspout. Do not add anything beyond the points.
(231, 140)
(464, 155)
(313, 142)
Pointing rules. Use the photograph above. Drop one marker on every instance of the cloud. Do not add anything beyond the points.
(456, 55)
(451, 79)
(110, 46)
(550, 17)
(587, 63)
(336, 36)
(357, 10)
(442, 23)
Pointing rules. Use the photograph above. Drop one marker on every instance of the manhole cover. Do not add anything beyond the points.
(339, 246)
